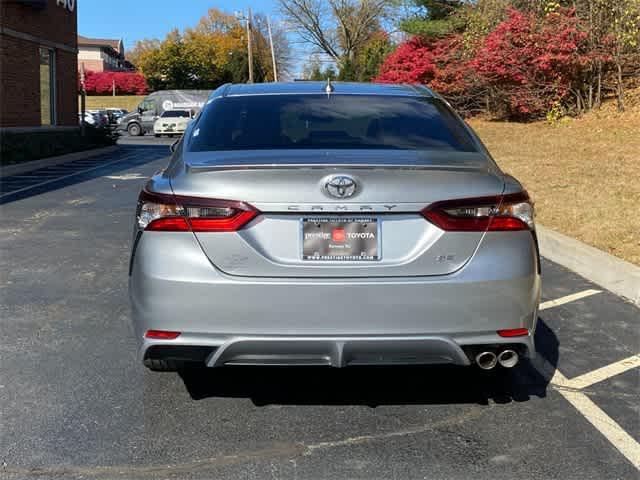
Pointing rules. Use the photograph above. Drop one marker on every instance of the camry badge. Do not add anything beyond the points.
(340, 186)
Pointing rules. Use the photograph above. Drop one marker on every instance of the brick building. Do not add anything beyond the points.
(38, 63)
(101, 54)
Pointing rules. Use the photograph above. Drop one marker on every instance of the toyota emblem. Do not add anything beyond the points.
(340, 186)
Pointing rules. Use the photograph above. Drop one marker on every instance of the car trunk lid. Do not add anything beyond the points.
(292, 199)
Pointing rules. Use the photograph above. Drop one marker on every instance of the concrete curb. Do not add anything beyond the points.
(8, 170)
(611, 273)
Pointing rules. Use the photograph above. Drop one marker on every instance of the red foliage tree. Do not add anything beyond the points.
(521, 69)
(532, 63)
(412, 62)
(440, 63)
(127, 83)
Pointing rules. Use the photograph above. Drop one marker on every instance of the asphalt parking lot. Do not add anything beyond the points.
(75, 402)
(126, 139)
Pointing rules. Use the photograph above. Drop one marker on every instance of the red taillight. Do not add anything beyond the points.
(175, 213)
(224, 224)
(169, 224)
(497, 213)
(161, 335)
(514, 332)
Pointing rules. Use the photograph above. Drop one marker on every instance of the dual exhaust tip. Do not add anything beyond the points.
(507, 358)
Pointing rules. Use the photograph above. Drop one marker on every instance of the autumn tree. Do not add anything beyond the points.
(142, 51)
(534, 63)
(613, 28)
(521, 58)
(171, 68)
(318, 69)
(207, 55)
(281, 47)
(210, 45)
(372, 56)
(625, 30)
(338, 28)
(433, 18)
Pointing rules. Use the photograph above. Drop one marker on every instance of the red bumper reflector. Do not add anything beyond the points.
(514, 332)
(161, 335)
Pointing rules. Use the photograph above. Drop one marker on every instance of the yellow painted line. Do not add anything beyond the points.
(588, 379)
(569, 298)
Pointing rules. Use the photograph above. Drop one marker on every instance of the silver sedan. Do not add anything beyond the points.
(332, 224)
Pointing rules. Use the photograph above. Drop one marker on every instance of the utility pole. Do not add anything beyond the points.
(113, 87)
(273, 53)
(249, 46)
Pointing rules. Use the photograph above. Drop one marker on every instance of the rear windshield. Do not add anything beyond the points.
(328, 122)
(175, 113)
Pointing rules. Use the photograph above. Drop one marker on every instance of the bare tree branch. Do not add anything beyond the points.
(338, 27)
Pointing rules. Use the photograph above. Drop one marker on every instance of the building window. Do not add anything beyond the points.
(47, 87)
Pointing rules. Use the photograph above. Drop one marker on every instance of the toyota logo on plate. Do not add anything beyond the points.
(340, 186)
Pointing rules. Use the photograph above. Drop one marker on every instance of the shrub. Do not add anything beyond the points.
(521, 69)
(533, 63)
(412, 62)
(127, 83)
(17, 147)
(440, 63)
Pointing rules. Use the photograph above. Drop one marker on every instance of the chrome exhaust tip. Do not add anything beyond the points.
(486, 360)
(508, 358)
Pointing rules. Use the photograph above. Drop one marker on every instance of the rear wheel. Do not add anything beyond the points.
(158, 135)
(134, 130)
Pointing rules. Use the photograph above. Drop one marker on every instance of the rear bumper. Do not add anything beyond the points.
(160, 131)
(334, 351)
(173, 286)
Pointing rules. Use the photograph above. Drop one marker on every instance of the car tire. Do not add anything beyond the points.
(134, 130)
(157, 135)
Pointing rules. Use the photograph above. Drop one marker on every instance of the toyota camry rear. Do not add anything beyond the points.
(348, 224)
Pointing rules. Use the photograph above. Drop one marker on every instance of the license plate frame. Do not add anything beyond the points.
(365, 246)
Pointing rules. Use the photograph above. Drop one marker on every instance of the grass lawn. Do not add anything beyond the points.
(583, 174)
(128, 102)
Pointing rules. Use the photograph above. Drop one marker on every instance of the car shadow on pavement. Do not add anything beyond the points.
(374, 386)
(55, 177)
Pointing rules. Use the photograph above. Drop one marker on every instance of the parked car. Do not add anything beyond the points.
(101, 117)
(149, 110)
(115, 115)
(172, 122)
(348, 224)
(89, 119)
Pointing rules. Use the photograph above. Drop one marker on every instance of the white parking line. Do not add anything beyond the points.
(588, 379)
(80, 172)
(608, 427)
(126, 176)
(570, 390)
(569, 298)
